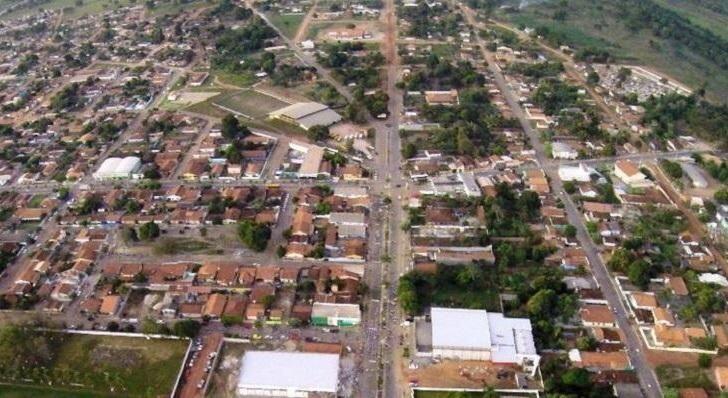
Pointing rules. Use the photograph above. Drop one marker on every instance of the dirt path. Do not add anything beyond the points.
(303, 28)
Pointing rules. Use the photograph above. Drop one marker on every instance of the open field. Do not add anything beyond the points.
(287, 23)
(250, 103)
(97, 366)
(587, 26)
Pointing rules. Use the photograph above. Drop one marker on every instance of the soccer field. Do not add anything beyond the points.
(250, 103)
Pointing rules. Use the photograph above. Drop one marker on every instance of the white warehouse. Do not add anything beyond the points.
(478, 335)
(118, 168)
(288, 374)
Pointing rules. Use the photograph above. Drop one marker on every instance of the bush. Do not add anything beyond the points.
(704, 361)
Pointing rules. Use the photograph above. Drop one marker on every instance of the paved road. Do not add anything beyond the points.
(647, 377)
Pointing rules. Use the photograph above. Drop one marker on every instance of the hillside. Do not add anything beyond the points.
(684, 39)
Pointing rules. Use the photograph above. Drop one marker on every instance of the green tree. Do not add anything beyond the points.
(639, 273)
(318, 133)
(149, 231)
(570, 231)
(254, 235)
(232, 129)
(186, 328)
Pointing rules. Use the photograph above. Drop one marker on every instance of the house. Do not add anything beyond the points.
(721, 377)
(302, 223)
(214, 306)
(643, 300)
(110, 304)
(630, 174)
(598, 361)
(593, 315)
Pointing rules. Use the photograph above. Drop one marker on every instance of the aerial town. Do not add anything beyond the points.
(361, 198)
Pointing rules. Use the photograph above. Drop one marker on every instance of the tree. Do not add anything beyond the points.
(149, 231)
(542, 304)
(570, 231)
(318, 133)
(232, 129)
(186, 328)
(586, 343)
(254, 235)
(409, 150)
(639, 273)
(592, 78)
(112, 326)
(721, 196)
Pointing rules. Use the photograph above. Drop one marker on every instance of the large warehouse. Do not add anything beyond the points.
(288, 374)
(116, 168)
(307, 115)
(483, 336)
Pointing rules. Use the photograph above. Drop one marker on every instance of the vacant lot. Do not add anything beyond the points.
(684, 377)
(96, 366)
(250, 103)
(287, 23)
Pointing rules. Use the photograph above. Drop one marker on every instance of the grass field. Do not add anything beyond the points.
(287, 23)
(587, 26)
(250, 103)
(99, 366)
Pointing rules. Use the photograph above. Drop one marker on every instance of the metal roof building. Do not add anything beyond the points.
(288, 374)
(459, 333)
(118, 168)
(307, 115)
(695, 174)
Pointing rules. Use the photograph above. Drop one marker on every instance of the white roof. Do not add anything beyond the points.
(346, 218)
(337, 310)
(713, 278)
(460, 328)
(117, 166)
(289, 370)
(350, 191)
